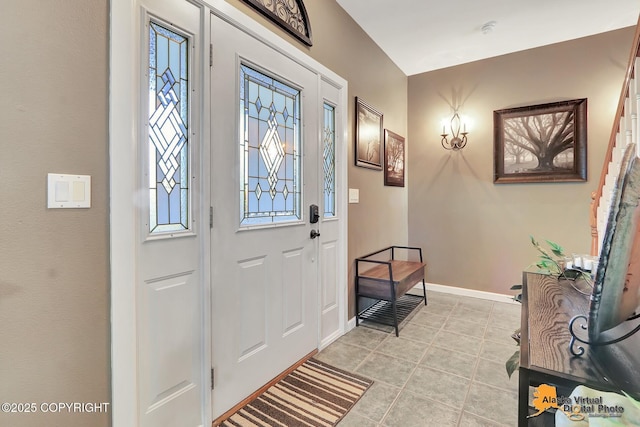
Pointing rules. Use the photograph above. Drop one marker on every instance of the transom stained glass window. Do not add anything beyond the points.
(328, 160)
(270, 178)
(168, 136)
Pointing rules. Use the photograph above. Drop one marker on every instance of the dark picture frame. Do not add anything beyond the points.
(541, 143)
(368, 145)
(393, 159)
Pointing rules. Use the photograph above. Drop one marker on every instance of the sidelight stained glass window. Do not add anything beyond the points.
(329, 160)
(168, 137)
(270, 163)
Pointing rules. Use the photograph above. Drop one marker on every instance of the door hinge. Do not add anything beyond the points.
(212, 379)
(210, 216)
(210, 54)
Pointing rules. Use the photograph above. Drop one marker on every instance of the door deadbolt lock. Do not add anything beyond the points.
(314, 214)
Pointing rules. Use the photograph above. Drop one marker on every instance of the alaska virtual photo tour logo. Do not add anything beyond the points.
(575, 407)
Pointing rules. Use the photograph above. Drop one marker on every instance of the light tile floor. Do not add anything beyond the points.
(446, 368)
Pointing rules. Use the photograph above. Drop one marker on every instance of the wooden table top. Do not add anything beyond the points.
(548, 306)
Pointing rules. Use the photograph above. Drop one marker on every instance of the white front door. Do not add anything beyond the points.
(265, 111)
(265, 292)
(169, 288)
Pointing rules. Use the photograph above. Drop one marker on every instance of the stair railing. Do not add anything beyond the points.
(625, 130)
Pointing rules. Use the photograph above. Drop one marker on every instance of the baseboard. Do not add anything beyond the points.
(492, 296)
(331, 338)
(351, 324)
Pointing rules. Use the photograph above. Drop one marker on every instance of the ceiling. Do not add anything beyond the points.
(426, 35)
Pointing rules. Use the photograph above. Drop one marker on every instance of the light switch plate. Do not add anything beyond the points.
(354, 195)
(68, 191)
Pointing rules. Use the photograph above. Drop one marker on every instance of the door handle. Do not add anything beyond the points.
(314, 234)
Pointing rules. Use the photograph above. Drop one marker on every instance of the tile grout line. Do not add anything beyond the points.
(475, 369)
(395, 399)
(473, 373)
(371, 352)
(402, 389)
(478, 359)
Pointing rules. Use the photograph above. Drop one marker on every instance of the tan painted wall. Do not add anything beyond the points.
(476, 233)
(54, 297)
(380, 219)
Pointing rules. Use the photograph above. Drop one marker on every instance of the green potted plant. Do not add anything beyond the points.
(547, 262)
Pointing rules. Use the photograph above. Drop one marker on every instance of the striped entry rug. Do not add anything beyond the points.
(314, 394)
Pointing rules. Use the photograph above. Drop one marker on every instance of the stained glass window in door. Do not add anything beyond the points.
(168, 137)
(270, 162)
(329, 160)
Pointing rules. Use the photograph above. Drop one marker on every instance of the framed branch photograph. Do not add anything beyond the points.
(368, 144)
(541, 143)
(393, 159)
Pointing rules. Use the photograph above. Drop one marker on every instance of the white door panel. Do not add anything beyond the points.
(170, 283)
(330, 309)
(264, 276)
(331, 241)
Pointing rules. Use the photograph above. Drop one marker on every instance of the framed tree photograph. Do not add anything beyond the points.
(368, 144)
(393, 159)
(541, 143)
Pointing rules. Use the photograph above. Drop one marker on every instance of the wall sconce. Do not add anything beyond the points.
(457, 142)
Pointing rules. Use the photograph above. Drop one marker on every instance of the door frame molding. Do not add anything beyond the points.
(124, 66)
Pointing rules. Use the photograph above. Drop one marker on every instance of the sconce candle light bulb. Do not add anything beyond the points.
(458, 139)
